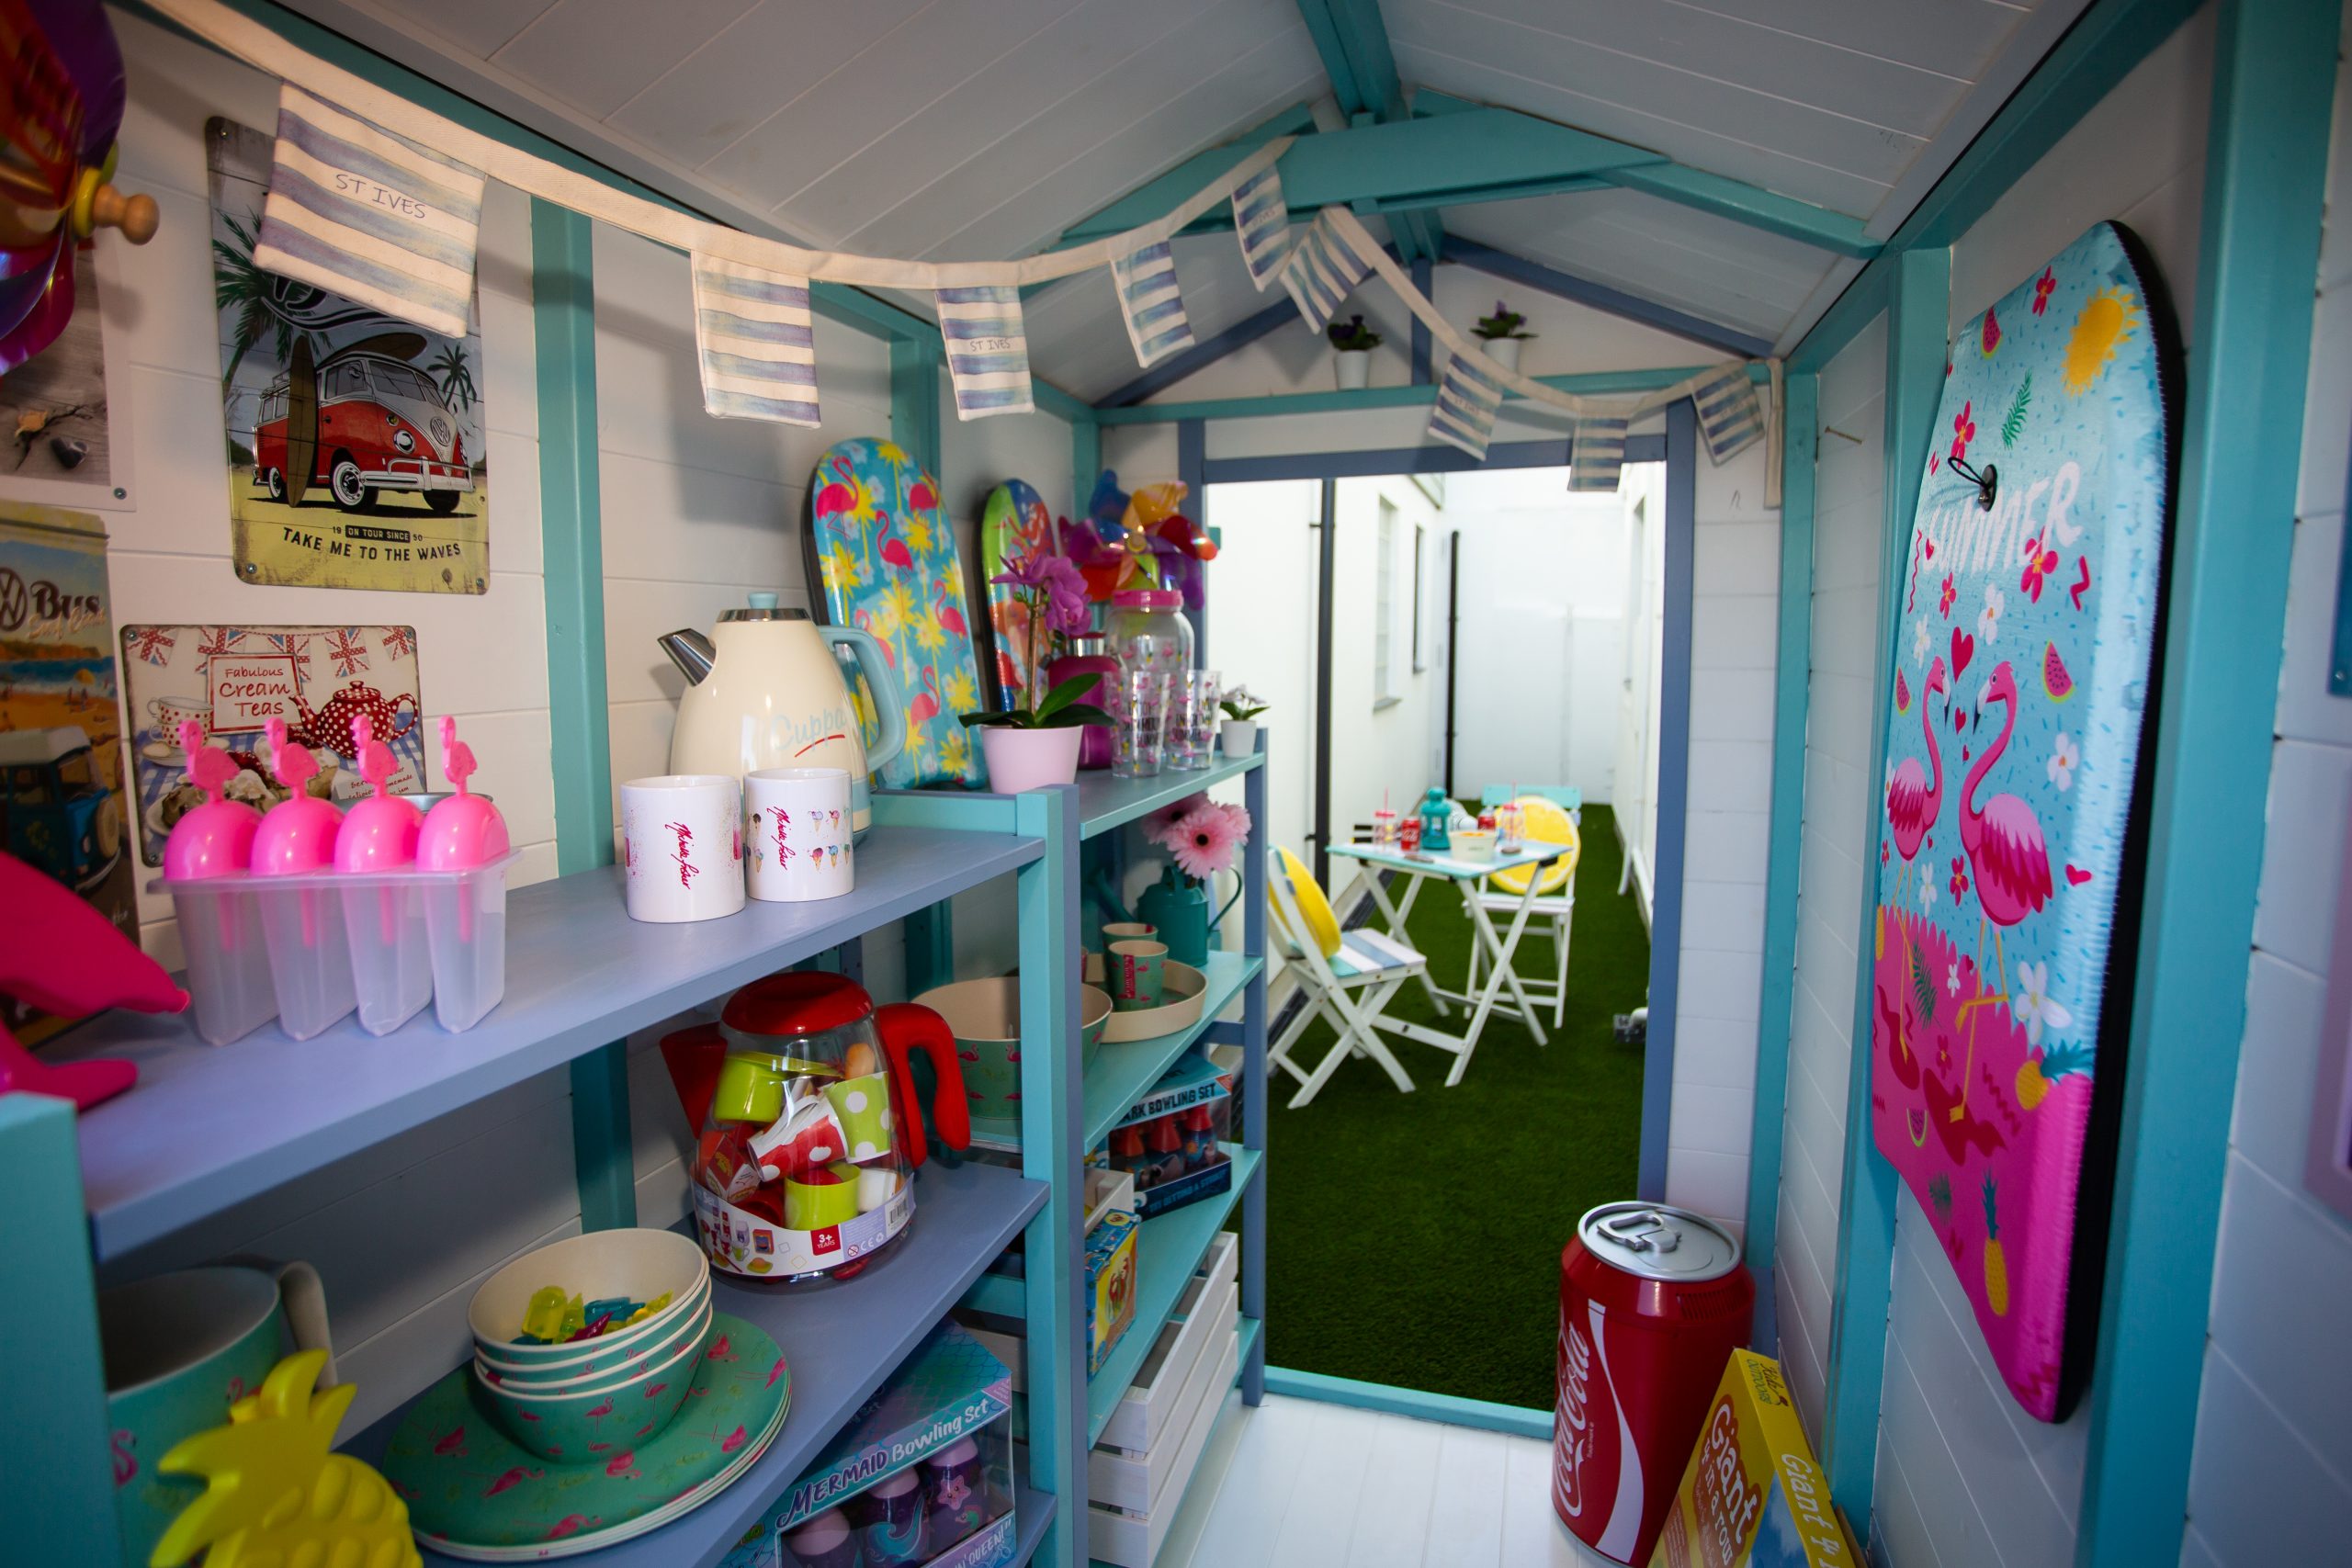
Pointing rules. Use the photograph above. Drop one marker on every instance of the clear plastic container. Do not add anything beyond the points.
(391, 963)
(309, 956)
(464, 918)
(1146, 632)
(227, 961)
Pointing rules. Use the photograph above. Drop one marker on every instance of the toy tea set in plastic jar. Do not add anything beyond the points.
(808, 1149)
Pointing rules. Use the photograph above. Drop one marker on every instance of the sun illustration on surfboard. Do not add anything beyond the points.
(2107, 320)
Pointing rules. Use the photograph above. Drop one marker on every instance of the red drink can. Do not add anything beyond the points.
(1408, 834)
(1653, 1302)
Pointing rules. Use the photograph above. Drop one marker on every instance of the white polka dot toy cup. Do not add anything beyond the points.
(796, 845)
(863, 1107)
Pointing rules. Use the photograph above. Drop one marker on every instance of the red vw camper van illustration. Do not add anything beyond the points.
(360, 422)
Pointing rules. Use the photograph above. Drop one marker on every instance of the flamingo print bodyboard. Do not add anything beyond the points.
(2022, 648)
(887, 560)
(1015, 525)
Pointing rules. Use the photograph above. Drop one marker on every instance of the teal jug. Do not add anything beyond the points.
(1180, 908)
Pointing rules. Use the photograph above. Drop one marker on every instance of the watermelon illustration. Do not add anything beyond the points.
(2059, 684)
(1902, 694)
(1992, 334)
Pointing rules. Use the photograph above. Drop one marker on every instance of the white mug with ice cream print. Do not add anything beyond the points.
(797, 844)
(682, 847)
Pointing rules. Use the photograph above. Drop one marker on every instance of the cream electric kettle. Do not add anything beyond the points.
(765, 692)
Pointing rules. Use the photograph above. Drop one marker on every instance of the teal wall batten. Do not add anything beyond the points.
(563, 319)
(2233, 538)
(1919, 300)
(1792, 686)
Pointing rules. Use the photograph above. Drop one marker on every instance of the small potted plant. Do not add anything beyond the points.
(1354, 342)
(1238, 733)
(1499, 335)
(1031, 746)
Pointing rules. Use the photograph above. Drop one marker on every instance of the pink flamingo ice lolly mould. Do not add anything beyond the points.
(465, 838)
(205, 861)
(310, 958)
(391, 965)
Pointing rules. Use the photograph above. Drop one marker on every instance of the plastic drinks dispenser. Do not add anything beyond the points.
(1146, 632)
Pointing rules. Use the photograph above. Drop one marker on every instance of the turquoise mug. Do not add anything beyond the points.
(180, 1348)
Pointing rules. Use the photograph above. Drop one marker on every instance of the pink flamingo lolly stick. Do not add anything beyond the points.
(377, 765)
(211, 768)
(295, 767)
(457, 756)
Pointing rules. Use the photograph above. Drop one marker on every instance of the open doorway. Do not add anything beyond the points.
(1471, 629)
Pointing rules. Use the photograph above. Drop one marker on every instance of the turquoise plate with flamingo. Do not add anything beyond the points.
(885, 560)
(2026, 623)
(473, 1491)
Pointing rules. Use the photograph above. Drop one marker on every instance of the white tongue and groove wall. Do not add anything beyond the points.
(696, 512)
(1733, 597)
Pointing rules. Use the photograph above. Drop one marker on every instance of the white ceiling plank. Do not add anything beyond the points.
(570, 47)
(1730, 156)
(1954, 36)
(944, 137)
(1902, 97)
(856, 106)
(1789, 126)
(476, 27)
(749, 71)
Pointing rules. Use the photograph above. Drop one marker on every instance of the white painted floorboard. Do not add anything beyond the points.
(1299, 1484)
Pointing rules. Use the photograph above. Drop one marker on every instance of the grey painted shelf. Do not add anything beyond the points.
(842, 1340)
(579, 973)
(1104, 803)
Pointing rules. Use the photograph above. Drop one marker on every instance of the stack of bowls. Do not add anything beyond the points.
(623, 1386)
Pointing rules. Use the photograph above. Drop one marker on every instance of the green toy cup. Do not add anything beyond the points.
(1135, 970)
(180, 1348)
(822, 1198)
(748, 1090)
(863, 1107)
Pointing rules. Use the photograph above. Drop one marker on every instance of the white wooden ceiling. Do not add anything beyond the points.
(979, 128)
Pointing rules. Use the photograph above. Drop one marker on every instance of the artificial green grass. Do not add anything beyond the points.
(1414, 1239)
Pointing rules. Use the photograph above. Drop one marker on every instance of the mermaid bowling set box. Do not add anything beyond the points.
(1753, 1495)
(922, 1475)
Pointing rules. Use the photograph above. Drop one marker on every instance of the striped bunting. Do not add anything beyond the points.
(1148, 299)
(1263, 221)
(988, 350)
(754, 335)
(1323, 269)
(1598, 455)
(1730, 417)
(370, 216)
(1467, 398)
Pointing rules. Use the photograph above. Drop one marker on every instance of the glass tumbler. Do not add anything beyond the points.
(1143, 724)
(1192, 723)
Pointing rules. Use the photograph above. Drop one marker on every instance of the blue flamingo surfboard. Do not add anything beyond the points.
(885, 561)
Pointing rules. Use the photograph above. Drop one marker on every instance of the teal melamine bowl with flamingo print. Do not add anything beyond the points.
(571, 1429)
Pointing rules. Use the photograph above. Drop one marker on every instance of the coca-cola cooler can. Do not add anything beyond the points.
(1653, 1302)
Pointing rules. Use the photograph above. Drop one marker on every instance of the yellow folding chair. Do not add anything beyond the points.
(1349, 978)
(1556, 898)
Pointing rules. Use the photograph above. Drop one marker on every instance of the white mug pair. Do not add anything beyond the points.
(689, 845)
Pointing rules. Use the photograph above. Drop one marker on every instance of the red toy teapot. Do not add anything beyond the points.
(810, 1126)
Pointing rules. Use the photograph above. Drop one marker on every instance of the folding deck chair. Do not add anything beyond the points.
(1555, 899)
(1349, 978)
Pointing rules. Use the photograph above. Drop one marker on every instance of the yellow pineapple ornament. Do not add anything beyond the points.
(276, 1496)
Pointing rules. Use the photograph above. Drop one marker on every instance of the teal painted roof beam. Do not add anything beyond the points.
(1598, 383)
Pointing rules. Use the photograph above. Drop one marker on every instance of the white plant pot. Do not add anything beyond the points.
(1503, 351)
(1355, 369)
(1029, 759)
(1238, 735)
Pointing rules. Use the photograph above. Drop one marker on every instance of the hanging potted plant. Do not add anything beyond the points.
(1499, 335)
(1037, 745)
(1200, 836)
(1354, 342)
(1238, 733)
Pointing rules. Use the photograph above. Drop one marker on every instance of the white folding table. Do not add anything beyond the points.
(1466, 876)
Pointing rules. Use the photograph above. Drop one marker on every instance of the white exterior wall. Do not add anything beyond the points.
(1850, 519)
(2272, 1478)
(696, 512)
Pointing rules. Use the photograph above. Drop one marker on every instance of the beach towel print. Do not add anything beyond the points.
(887, 563)
(2021, 674)
(1014, 526)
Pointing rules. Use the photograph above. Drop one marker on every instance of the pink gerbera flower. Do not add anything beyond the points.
(1238, 815)
(1160, 827)
(1202, 841)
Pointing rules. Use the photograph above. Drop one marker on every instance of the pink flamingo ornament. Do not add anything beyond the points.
(2006, 855)
(58, 954)
(1912, 802)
